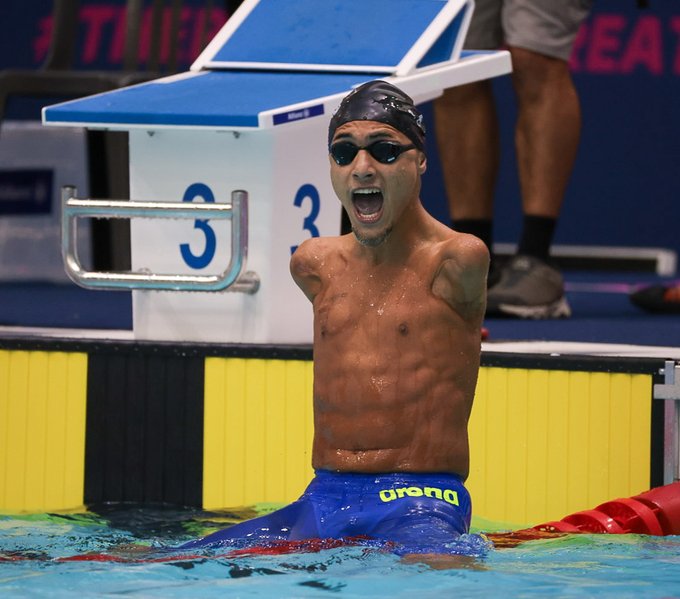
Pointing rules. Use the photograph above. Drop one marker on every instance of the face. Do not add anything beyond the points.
(374, 194)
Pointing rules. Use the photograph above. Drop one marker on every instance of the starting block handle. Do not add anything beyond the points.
(232, 279)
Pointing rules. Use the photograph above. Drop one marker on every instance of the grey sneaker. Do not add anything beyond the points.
(528, 288)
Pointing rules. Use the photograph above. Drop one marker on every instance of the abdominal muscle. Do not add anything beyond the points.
(397, 397)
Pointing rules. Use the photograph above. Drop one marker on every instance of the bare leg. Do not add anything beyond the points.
(467, 137)
(438, 561)
(547, 131)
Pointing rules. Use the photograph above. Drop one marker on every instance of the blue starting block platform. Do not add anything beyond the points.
(366, 36)
(252, 115)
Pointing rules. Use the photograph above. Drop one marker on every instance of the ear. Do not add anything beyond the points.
(422, 163)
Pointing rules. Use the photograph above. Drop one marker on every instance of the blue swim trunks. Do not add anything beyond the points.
(420, 513)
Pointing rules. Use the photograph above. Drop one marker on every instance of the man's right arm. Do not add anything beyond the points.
(305, 267)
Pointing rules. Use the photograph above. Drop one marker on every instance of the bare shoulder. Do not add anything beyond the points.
(460, 277)
(308, 262)
(467, 250)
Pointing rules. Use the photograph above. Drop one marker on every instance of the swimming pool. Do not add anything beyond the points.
(32, 546)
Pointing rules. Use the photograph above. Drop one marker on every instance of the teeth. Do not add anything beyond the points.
(368, 208)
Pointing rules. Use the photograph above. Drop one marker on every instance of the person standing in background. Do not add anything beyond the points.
(540, 35)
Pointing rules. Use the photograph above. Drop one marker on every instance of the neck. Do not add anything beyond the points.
(406, 233)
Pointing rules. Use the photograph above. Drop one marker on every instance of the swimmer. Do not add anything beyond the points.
(398, 306)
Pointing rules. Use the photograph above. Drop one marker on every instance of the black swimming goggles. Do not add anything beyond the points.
(385, 152)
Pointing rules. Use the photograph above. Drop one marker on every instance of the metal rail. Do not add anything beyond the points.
(233, 278)
(669, 392)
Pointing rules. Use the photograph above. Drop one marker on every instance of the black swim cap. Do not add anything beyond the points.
(382, 102)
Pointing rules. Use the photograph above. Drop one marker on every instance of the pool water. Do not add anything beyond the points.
(36, 552)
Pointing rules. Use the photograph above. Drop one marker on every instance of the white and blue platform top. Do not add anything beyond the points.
(367, 36)
(278, 62)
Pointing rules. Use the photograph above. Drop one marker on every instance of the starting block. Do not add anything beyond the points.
(242, 137)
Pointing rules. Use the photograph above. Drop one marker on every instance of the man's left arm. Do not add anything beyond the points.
(460, 279)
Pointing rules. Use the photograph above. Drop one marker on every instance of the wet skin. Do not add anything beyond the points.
(398, 307)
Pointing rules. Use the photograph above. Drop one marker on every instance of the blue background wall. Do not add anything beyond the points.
(625, 190)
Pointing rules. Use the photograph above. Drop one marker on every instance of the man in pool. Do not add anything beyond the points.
(398, 308)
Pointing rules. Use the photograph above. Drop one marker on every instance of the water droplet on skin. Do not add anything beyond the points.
(378, 383)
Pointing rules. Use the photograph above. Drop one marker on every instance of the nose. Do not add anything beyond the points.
(362, 167)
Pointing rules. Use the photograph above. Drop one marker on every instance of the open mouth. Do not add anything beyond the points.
(368, 204)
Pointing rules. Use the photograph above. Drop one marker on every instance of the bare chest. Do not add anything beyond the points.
(399, 304)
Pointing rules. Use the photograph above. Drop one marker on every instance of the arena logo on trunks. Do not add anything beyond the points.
(448, 495)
